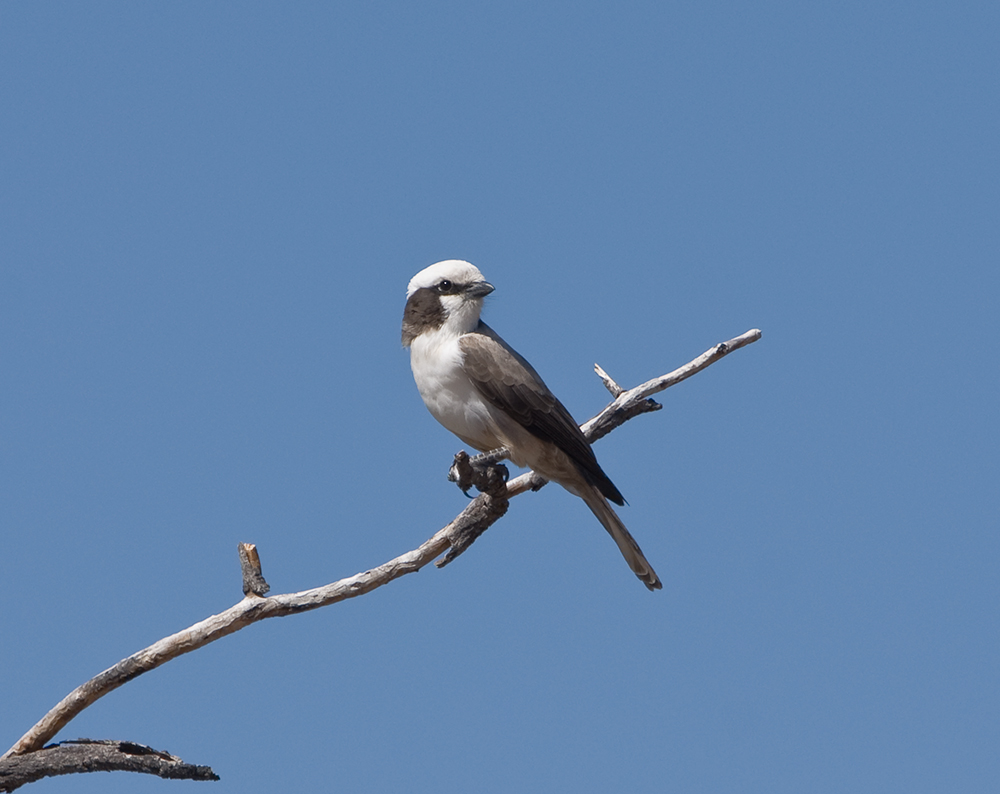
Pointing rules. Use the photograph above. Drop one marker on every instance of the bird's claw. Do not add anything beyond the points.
(461, 472)
(481, 472)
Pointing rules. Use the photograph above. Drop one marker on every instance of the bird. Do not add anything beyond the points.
(488, 395)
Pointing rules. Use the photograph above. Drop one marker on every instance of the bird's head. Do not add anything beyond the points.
(448, 293)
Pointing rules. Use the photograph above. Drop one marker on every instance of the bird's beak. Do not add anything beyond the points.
(480, 289)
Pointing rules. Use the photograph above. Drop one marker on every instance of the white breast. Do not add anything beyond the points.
(448, 393)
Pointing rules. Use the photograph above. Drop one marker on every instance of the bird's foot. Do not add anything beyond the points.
(482, 471)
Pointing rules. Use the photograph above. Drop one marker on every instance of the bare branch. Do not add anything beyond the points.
(87, 755)
(481, 513)
(609, 382)
(253, 578)
(626, 405)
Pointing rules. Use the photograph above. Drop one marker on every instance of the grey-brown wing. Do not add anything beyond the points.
(511, 384)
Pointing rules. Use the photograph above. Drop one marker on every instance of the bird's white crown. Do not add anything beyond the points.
(454, 270)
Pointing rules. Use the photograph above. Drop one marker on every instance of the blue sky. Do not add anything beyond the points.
(208, 216)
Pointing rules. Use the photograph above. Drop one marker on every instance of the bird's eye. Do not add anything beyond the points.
(445, 287)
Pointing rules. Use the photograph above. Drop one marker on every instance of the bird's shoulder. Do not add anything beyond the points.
(490, 360)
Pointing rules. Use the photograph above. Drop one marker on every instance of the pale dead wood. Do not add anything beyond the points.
(458, 535)
(631, 403)
(483, 508)
(609, 382)
(253, 577)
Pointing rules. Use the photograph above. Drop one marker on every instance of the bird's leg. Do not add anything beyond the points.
(489, 458)
(481, 471)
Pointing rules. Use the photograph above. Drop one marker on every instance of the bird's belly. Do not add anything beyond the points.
(468, 418)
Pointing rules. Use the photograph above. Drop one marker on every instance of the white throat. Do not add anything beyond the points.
(462, 313)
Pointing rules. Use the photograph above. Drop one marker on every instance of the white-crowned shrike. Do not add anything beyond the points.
(479, 388)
